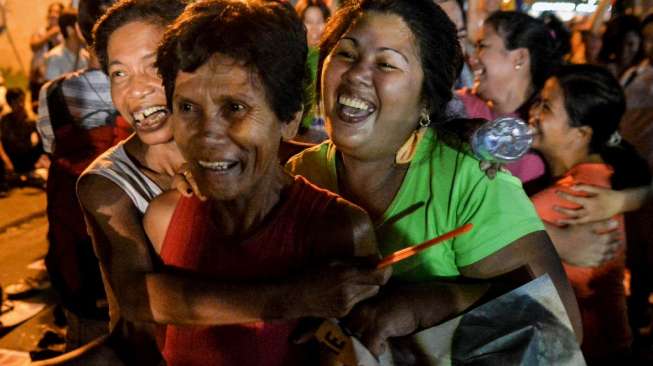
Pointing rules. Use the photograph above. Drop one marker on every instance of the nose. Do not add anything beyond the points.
(360, 73)
(141, 86)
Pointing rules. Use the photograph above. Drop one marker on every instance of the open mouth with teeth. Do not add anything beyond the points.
(218, 166)
(352, 109)
(150, 118)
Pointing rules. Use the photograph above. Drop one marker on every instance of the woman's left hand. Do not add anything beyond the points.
(184, 182)
(600, 204)
(385, 316)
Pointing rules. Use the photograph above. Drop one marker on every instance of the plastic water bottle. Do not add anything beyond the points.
(502, 140)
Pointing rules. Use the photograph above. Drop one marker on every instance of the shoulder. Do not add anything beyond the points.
(158, 217)
(474, 105)
(307, 156)
(95, 191)
(57, 51)
(317, 164)
(347, 229)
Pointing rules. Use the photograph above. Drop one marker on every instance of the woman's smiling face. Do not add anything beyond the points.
(136, 87)
(550, 120)
(372, 86)
(226, 128)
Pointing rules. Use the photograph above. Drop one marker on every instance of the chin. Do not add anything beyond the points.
(155, 137)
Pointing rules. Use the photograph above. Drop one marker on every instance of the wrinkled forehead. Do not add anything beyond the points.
(218, 75)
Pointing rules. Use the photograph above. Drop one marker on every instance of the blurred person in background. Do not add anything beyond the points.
(314, 14)
(621, 44)
(637, 128)
(19, 137)
(76, 123)
(70, 55)
(41, 42)
(455, 13)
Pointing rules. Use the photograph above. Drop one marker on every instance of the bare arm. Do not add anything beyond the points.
(602, 203)
(9, 166)
(39, 40)
(145, 294)
(587, 245)
(406, 308)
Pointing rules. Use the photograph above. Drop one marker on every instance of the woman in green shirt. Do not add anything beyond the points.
(387, 68)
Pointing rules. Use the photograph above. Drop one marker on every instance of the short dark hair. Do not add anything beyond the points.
(648, 19)
(303, 5)
(594, 98)
(266, 35)
(89, 11)
(559, 31)
(15, 94)
(439, 50)
(519, 30)
(68, 18)
(157, 12)
(57, 4)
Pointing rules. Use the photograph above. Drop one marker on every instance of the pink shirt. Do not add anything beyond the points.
(528, 167)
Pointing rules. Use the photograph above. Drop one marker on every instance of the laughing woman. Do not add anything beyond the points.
(387, 69)
(116, 190)
(576, 119)
(236, 80)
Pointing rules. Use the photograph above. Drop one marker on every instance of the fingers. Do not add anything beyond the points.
(579, 200)
(184, 182)
(181, 185)
(606, 226)
(592, 190)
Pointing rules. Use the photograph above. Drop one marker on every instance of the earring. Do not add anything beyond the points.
(424, 118)
(518, 66)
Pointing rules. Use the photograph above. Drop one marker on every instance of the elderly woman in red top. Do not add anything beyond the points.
(235, 80)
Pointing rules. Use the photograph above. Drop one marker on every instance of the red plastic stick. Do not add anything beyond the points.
(402, 254)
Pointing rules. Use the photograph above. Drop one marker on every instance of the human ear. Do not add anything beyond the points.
(585, 134)
(289, 128)
(520, 58)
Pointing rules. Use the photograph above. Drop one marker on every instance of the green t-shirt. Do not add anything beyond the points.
(442, 190)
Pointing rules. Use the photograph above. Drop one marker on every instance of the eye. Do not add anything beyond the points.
(117, 74)
(386, 66)
(235, 107)
(344, 54)
(186, 107)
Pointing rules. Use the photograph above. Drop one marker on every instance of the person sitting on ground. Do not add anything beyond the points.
(20, 139)
(235, 77)
(576, 120)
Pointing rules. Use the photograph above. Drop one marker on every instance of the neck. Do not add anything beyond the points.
(239, 217)
(161, 159)
(560, 162)
(72, 44)
(372, 184)
(515, 97)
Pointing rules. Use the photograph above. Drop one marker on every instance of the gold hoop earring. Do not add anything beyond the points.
(424, 118)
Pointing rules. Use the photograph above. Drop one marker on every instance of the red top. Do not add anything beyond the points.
(281, 246)
(599, 290)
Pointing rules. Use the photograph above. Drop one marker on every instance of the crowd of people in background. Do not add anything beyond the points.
(314, 138)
